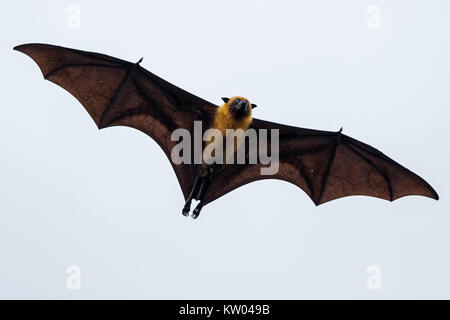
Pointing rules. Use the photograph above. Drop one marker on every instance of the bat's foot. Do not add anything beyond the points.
(186, 208)
(197, 210)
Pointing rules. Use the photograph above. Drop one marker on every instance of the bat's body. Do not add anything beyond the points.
(326, 165)
(235, 113)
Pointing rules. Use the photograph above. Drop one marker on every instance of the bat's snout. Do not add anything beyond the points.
(240, 108)
(242, 105)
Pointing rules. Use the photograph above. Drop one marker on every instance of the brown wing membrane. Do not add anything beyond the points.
(327, 166)
(120, 93)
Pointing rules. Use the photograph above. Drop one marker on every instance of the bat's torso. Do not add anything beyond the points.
(225, 118)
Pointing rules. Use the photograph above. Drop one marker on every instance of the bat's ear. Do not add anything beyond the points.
(225, 99)
(254, 106)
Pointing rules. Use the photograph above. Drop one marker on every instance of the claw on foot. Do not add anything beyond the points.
(186, 209)
(196, 211)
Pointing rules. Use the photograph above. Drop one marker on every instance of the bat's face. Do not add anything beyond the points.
(240, 107)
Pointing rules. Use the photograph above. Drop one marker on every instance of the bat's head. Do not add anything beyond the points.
(239, 107)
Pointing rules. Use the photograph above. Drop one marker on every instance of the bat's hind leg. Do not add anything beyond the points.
(201, 194)
(194, 191)
(198, 190)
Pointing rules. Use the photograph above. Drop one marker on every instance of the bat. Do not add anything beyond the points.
(326, 165)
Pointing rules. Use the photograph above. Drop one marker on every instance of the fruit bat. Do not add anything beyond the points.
(325, 164)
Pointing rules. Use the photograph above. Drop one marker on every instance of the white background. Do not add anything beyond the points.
(108, 201)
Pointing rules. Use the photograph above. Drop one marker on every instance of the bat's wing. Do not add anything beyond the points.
(327, 166)
(120, 93)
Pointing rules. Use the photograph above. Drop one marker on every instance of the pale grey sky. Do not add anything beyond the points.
(108, 201)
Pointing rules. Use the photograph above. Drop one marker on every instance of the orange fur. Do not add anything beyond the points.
(224, 120)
